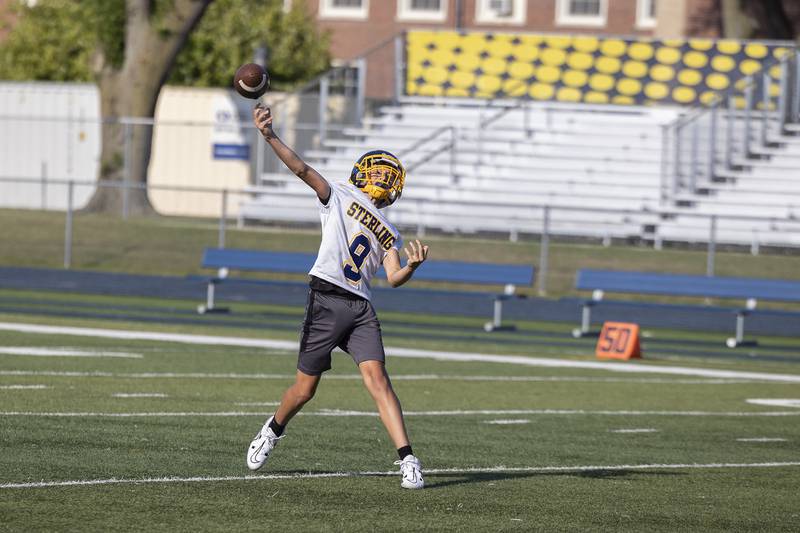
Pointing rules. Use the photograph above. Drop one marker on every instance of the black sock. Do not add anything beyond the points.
(404, 452)
(275, 427)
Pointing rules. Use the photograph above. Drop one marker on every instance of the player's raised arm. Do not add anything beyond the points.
(262, 118)
(397, 275)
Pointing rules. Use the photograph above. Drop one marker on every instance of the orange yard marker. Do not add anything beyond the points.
(619, 340)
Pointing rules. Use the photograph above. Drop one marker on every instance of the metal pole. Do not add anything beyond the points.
(497, 315)
(324, 85)
(259, 146)
(44, 185)
(223, 218)
(480, 137)
(68, 227)
(676, 171)
(526, 117)
(399, 67)
(766, 102)
(126, 170)
(748, 105)
(712, 246)
(544, 251)
(729, 140)
(784, 94)
(664, 162)
(796, 98)
(453, 153)
(712, 141)
(695, 157)
(361, 89)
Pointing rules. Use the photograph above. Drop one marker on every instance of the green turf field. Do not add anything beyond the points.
(108, 433)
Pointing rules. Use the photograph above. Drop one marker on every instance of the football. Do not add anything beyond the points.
(251, 81)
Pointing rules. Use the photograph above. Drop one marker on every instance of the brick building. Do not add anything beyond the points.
(357, 25)
(6, 17)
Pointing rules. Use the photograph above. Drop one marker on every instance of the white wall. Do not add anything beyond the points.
(52, 129)
(183, 154)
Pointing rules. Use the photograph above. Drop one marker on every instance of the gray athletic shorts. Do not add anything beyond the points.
(332, 320)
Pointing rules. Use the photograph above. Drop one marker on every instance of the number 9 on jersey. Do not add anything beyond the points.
(359, 250)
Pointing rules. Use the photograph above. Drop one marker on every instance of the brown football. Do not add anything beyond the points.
(251, 81)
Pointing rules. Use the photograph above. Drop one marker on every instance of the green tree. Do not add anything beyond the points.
(231, 31)
(130, 48)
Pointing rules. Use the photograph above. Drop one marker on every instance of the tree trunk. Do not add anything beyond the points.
(772, 20)
(757, 19)
(131, 91)
(736, 22)
(125, 152)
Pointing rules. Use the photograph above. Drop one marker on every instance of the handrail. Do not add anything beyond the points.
(424, 140)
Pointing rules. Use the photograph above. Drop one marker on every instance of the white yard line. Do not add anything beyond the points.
(139, 395)
(508, 422)
(634, 430)
(430, 472)
(23, 387)
(639, 368)
(761, 439)
(346, 413)
(775, 402)
(395, 377)
(149, 336)
(34, 351)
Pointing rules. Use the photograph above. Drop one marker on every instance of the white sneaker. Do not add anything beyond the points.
(261, 446)
(411, 470)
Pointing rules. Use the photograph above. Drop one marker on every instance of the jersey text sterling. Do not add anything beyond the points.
(372, 223)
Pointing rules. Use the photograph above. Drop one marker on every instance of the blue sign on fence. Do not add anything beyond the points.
(231, 151)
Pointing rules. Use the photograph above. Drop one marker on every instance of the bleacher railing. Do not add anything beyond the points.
(738, 125)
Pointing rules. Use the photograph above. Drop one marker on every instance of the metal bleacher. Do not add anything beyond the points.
(596, 167)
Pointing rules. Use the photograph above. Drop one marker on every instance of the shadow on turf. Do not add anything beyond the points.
(484, 477)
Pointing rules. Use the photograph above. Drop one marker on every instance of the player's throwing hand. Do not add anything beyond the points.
(416, 254)
(262, 118)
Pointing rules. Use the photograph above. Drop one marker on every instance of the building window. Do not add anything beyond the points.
(582, 13)
(344, 9)
(646, 13)
(422, 10)
(500, 11)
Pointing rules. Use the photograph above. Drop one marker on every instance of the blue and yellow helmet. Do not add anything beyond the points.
(388, 188)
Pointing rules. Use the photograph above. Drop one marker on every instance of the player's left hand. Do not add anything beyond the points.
(416, 254)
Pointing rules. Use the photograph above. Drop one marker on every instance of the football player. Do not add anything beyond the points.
(356, 240)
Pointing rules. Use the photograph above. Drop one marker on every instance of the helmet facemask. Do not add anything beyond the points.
(384, 189)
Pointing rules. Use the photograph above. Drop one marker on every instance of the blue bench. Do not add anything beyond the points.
(750, 289)
(508, 275)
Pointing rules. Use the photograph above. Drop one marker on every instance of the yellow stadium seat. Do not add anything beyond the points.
(580, 61)
(690, 77)
(586, 44)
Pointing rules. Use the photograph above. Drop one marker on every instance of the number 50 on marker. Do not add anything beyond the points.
(619, 340)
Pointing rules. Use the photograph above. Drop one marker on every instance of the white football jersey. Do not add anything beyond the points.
(355, 239)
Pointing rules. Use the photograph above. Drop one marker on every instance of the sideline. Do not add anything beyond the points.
(428, 472)
(359, 377)
(348, 413)
(609, 366)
